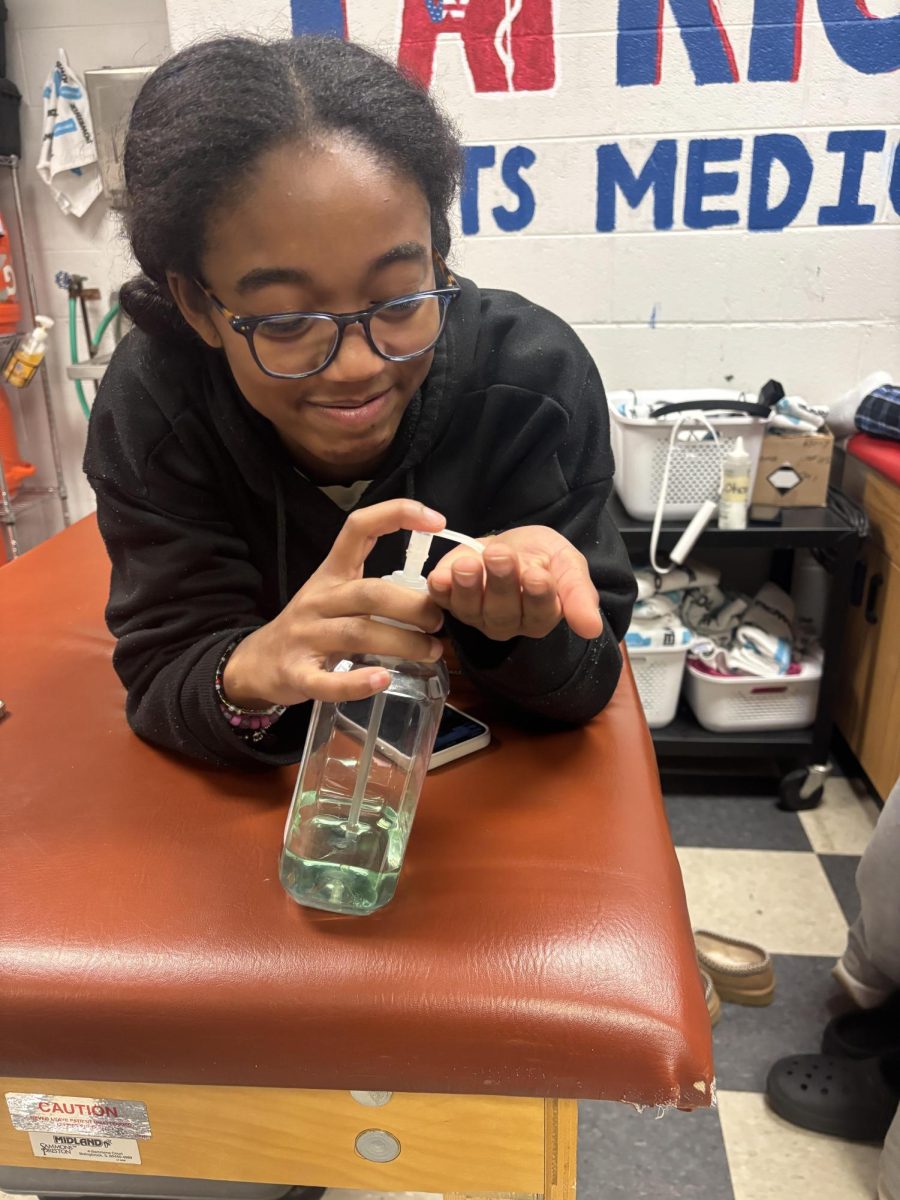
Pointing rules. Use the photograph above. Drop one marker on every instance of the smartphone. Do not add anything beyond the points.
(458, 734)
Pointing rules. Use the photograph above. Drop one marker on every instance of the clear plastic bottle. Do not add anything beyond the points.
(28, 355)
(361, 776)
(735, 498)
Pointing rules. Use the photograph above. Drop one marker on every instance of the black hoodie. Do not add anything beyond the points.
(211, 528)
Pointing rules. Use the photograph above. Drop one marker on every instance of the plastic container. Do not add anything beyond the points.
(743, 703)
(735, 498)
(641, 447)
(810, 592)
(658, 672)
(362, 772)
(28, 355)
(10, 312)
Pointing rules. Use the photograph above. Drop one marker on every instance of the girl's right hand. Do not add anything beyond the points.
(286, 661)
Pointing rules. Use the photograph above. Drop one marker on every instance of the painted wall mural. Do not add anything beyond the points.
(700, 186)
(509, 44)
(509, 47)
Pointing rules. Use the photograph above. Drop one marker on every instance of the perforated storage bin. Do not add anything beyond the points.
(658, 671)
(742, 702)
(641, 445)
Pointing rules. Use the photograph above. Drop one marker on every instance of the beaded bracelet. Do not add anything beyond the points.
(254, 722)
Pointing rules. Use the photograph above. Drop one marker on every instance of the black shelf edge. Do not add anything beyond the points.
(685, 737)
(799, 527)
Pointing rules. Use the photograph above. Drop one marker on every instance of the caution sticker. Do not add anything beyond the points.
(87, 1149)
(38, 1112)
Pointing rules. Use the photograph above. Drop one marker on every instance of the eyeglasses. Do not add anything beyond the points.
(295, 345)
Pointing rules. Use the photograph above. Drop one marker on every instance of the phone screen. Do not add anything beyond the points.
(456, 727)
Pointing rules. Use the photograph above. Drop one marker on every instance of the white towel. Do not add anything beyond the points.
(68, 158)
(764, 639)
(793, 414)
(760, 640)
(655, 622)
(712, 614)
(691, 575)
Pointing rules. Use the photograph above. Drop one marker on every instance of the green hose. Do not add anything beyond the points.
(73, 354)
(104, 325)
(95, 342)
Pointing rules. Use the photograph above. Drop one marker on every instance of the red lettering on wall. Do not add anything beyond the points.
(726, 43)
(508, 44)
(798, 41)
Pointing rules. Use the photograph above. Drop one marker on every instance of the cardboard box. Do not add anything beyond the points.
(793, 470)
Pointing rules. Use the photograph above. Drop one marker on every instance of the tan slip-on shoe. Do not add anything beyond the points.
(711, 996)
(741, 971)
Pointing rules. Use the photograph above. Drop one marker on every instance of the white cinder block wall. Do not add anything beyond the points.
(94, 33)
(813, 304)
(712, 202)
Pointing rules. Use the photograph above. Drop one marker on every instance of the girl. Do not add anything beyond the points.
(306, 375)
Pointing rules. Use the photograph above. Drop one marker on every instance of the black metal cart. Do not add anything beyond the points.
(807, 749)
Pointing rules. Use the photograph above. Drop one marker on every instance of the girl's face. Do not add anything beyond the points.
(324, 230)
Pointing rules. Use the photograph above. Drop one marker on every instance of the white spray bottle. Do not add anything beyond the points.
(362, 773)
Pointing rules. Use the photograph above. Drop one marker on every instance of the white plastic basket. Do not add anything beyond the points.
(742, 702)
(658, 671)
(641, 445)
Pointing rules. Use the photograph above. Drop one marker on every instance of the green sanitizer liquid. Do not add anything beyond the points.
(333, 864)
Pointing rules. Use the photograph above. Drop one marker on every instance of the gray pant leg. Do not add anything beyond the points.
(872, 956)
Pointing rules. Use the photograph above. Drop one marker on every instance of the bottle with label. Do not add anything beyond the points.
(362, 773)
(735, 498)
(10, 313)
(28, 355)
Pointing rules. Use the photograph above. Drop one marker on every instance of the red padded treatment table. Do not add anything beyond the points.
(538, 950)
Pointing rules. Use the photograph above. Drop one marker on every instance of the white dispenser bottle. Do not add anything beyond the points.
(735, 498)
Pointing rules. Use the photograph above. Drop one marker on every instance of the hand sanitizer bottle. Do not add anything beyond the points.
(28, 355)
(362, 773)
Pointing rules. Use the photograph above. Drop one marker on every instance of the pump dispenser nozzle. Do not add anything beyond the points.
(417, 553)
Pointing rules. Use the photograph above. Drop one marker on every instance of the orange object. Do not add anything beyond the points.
(14, 467)
(10, 312)
(544, 949)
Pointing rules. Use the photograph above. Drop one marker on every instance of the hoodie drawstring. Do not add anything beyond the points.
(280, 542)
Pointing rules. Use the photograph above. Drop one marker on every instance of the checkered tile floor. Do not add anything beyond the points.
(786, 881)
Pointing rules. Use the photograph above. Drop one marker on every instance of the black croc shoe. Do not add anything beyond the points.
(848, 1098)
(865, 1032)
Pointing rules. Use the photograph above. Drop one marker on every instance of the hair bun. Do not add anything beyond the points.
(153, 309)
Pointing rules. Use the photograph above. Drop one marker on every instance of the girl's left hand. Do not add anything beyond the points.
(527, 581)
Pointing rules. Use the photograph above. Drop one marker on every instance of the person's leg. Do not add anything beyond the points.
(869, 969)
(889, 1176)
(861, 1102)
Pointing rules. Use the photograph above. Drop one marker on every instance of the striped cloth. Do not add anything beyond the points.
(879, 413)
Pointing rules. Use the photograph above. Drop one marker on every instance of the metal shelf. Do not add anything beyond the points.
(799, 528)
(95, 369)
(26, 499)
(30, 495)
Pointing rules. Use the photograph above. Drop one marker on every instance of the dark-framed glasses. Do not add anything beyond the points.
(294, 345)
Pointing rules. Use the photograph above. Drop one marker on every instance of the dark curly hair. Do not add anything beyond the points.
(205, 116)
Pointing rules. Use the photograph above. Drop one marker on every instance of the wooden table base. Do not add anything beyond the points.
(458, 1145)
